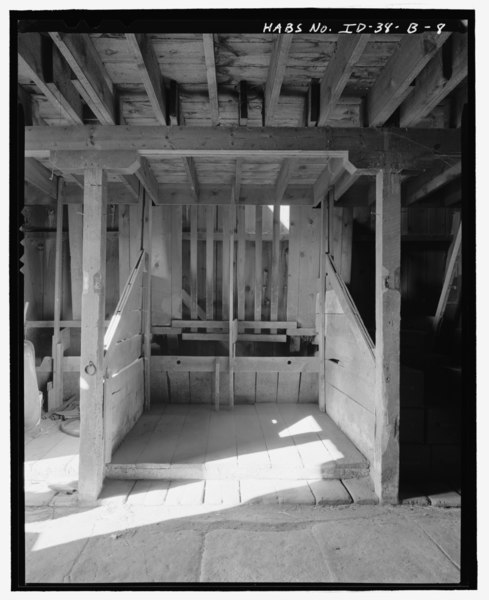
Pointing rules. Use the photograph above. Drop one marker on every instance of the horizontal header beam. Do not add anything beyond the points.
(364, 147)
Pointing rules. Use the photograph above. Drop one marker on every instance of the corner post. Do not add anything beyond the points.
(91, 470)
(387, 334)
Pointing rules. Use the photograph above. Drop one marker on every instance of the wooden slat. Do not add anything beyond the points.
(349, 48)
(124, 247)
(209, 262)
(385, 468)
(393, 84)
(92, 82)
(161, 267)
(275, 264)
(193, 262)
(54, 82)
(258, 261)
(242, 364)
(433, 85)
(187, 300)
(176, 262)
(454, 253)
(276, 72)
(123, 353)
(224, 337)
(150, 73)
(226, 225)
(241, 264)
(75, 228)
(210, 64)
(242, 325)
(91, 469)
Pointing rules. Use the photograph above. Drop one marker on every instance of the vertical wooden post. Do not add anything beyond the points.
(55, 397)
(124, 246)
(322, 292)
(91, 470)
(226, 230)
(258, 262)
(241, 263)
(75, 227)
(275, 265)
(233, 327)
(209, 262)
(147, 236)
(387, 335)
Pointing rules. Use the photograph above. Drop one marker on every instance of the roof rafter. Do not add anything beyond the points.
(276, 72)
(417, 188)
(394, 82)
(149, 70)
(349, 48)
(210, 64)
(443, 74)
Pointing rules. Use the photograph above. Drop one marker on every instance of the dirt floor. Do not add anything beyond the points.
(120, 542)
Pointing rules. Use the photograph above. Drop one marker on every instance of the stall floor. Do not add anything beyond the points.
(261, 441)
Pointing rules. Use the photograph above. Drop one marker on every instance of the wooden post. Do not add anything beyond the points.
(322, 292)
(233, 328)
(55, 397)
(75, 226)
(258, 262)
(209, 262)
(387, 335)
(147, 236)
(274, 294)
(124, 247)
(91, 470)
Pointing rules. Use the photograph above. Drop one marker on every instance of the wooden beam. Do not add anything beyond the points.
(326, 179)
(150, 73)
(349, 48)
(453, 253)
(242, 364)
(274, 287)
(40, 177)
(441, 76)
(237, 179)
(75, 228)
(258, 262)
(25, 99)
(385, 468)
(91, 469)
(312, 103)
(394, 83)
(276, 72)
(92, 82)
(210, 220)
(193, 261)
(243, 103)
(364, 147)
(417, 188)
(148, 180)
(51, 74)
(147, 243)
(233, 323)
(210, 65)
(174, 103)
(283, 178)
(189, 166)
(321, 304)
(241, 263)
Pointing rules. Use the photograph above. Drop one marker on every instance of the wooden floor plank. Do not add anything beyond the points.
(266, 387)
(136, 440)
(250, 441)
(280, 449)
(192, 443)
(221, 449)
(185, 493)
(162, 442)
(149, 492)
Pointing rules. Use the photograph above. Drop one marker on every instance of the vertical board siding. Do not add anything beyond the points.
(161, 284)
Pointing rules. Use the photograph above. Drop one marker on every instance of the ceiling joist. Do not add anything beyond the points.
(276, 72)
(210, 65)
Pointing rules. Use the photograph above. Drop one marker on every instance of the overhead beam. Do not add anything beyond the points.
(150, 73)
(364, 147)
(326, 179)
(51, 74)
(276, 72)
(349, 48)
(394, 83)
(446, 70)
(210, 65)
(417, 188)
(91, 80)
(148, 180)
(283, 179)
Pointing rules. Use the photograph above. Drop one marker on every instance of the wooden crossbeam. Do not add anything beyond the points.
(349, 48)
(326, 179)
(150, 73)
(148, 180)
(394, 83)
(91, 81)
(364, 147)
(276, 72)
(51, 74)
(444, 72)
(37, 175)
(210, 65)
(242, 364)
(417, 188)
(283, 178)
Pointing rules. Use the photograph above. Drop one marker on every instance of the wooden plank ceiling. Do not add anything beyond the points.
(252, 80)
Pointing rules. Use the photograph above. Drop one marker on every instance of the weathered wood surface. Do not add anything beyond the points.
(92, 451)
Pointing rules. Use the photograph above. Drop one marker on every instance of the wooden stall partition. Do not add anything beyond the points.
(349, 365)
